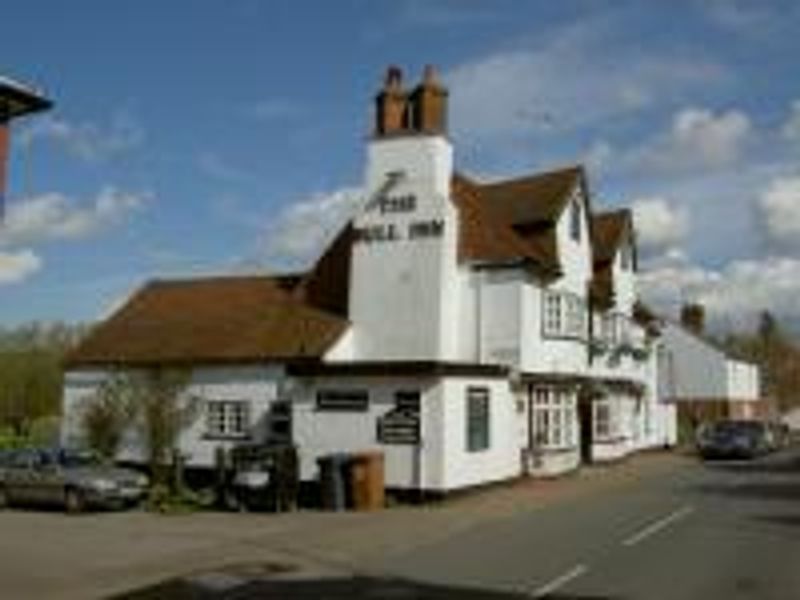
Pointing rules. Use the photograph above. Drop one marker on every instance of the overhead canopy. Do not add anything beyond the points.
(17, 99)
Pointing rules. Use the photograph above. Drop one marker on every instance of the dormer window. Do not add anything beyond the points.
(575, 220)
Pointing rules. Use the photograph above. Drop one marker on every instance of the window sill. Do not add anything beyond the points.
(219, 437)
(610, 440)
(564, 338)
(556, 449)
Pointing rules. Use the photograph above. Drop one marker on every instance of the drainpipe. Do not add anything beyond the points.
(479, 316)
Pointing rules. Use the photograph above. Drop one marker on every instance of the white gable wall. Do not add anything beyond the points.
(743, 381)
(625, 293)
(550, 355)
(689, 368)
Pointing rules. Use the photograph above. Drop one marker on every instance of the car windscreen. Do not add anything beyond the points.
(71, 459)
(737, 428)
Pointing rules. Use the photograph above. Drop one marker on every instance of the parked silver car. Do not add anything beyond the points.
(73, 480)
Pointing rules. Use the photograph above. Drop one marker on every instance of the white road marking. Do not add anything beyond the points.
(658, 526)
(560, 581)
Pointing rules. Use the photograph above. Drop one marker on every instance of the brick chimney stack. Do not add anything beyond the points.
(428, 104)
(421, 111)
(693, 317)
(391, 104)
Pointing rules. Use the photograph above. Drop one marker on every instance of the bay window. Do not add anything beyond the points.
(554, 418)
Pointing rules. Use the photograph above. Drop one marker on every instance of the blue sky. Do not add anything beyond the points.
(211, 136)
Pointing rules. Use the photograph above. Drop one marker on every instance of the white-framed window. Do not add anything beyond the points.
(608, 328)
(478, 419)
(575, 219)
(553, 323)
(605, 421)
(576, 316)
(564, 315)
(554, 417)
(616, 328)
(227, 418)
(355, 400)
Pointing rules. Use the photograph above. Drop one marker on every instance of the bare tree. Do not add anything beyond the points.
(162, 411)
(107, 415)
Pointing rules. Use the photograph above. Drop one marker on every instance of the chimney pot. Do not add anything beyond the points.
(394, 78)
(429, 76)
(693, 317)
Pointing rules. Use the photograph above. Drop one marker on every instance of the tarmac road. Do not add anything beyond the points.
(707, 531)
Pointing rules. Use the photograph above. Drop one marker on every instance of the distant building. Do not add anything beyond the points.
(700, 378)
(473, 332)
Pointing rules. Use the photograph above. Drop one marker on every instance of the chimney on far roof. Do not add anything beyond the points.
(391, 104)
(693, 317)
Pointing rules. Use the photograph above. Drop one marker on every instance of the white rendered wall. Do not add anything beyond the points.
(442, 463)
(689, 368)
(625, 292)
(321, 432)
(257, 385)
(404, 292)
(743, 380)
(500, 319)
(549, 355)
(502, 459)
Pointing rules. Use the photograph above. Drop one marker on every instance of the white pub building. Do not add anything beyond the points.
(472, 332)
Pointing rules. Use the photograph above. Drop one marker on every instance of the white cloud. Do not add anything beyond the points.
(571, 79)
(303, 229)
(274, 109)
(791, 128)
(15, 267)
(88, 141)
(54, 216)
(697, 140)
(766, 22)
(736, 292)
(218, 168)
(659, 225)
(779, 206)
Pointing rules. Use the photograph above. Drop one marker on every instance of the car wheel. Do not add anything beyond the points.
(74, 501)
(3, 497)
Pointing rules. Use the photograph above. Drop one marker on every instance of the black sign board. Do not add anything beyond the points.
(399, 427)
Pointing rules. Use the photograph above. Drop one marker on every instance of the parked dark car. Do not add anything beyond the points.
(735, 439)
(73, 480)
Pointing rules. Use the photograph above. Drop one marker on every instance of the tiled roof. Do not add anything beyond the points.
(211, 320)
(514, 219)
(482, 236)
(532, 199)
(608, 231)
(327, 285)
